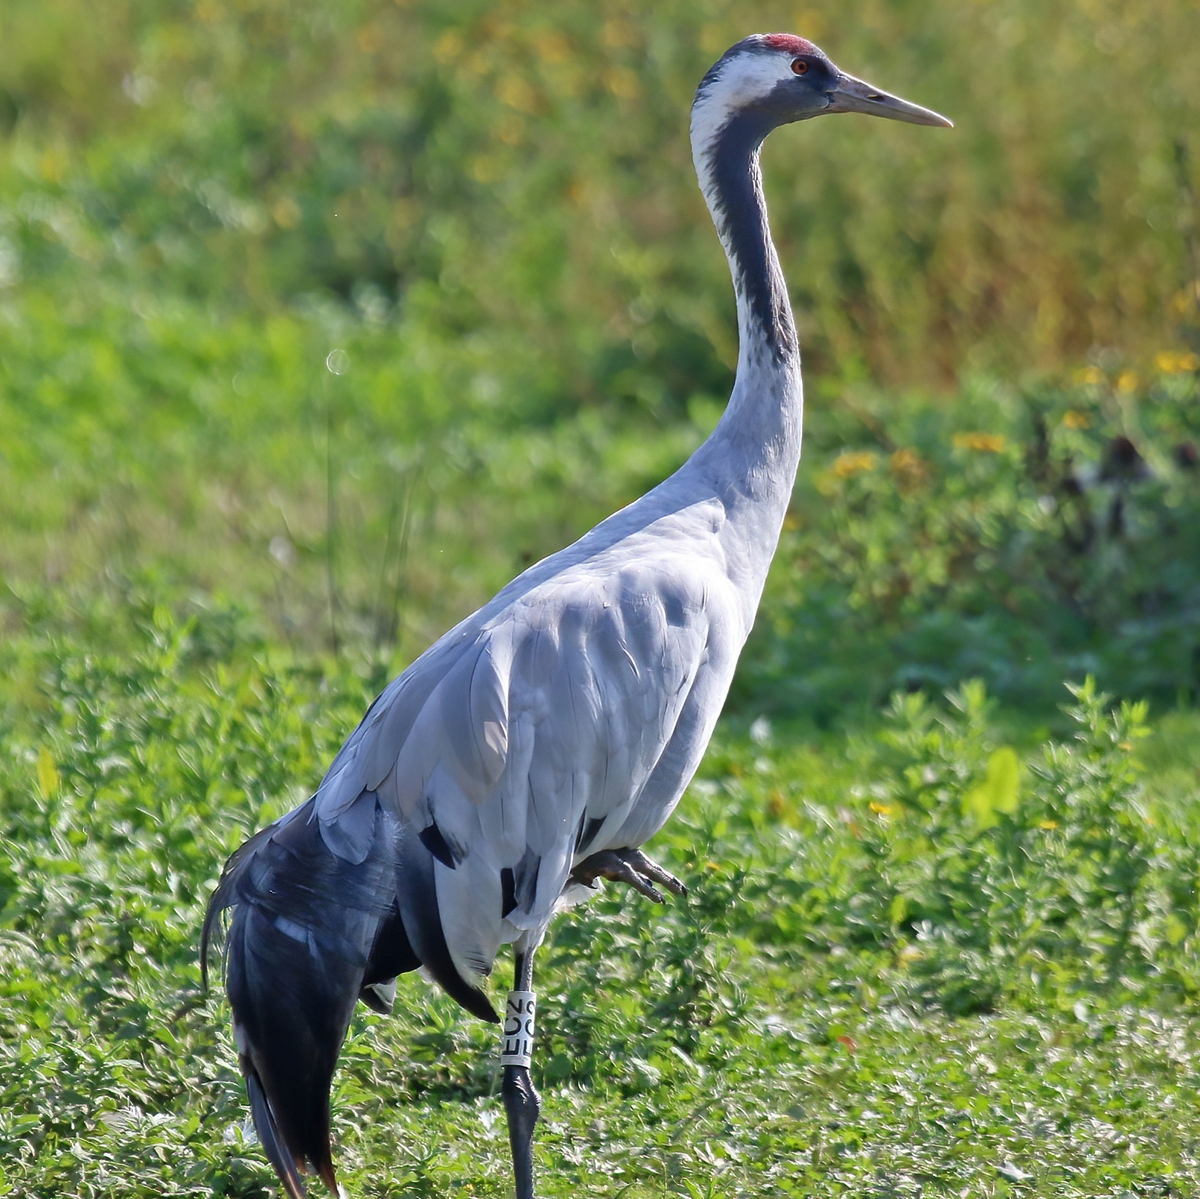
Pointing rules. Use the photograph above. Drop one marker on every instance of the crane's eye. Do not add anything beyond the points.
(799, 66)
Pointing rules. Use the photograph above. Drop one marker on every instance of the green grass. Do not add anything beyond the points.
(493, 214)
(899, 971)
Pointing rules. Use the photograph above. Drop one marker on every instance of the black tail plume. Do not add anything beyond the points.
(304, 924)
(311, 933)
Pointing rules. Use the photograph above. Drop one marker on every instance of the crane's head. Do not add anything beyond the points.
(773, 79)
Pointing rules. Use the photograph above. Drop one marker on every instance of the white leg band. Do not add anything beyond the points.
(519, 1013)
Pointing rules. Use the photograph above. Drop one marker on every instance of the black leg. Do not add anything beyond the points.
(521, 1102)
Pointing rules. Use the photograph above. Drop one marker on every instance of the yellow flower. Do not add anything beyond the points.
(623, 83)
(1090, 376)
(285, 212)
(853, 461)
(1176, 364)
(905, 460)
(908, 468)
(1048, 824)
(517, 93)
(1127, 381)
(449, 46)
(552, 47)
(984, 443)
(881, 809)
(1074, 419)
(1184, 300)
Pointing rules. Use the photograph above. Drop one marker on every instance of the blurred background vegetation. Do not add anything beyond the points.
(318, 322)
(489, 211)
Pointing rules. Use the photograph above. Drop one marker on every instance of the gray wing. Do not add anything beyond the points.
(563, 718)
(569, 722)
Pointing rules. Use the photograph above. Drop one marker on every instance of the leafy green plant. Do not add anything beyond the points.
(984, 876)
(1018, 537)
(783, 1031)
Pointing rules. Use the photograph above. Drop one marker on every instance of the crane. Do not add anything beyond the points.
(537, 745)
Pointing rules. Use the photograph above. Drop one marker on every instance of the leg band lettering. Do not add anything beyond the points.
(519, 1012)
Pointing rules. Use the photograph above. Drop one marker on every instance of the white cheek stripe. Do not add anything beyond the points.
(742, 81)
(520, 1012)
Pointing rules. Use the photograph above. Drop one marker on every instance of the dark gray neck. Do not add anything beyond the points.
(731, 180)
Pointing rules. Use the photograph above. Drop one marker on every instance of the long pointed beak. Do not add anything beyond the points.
(853, 95)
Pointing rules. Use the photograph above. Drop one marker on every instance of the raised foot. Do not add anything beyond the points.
(627, 866)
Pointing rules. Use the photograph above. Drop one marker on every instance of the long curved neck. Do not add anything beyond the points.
(727, 166)
(756, 446)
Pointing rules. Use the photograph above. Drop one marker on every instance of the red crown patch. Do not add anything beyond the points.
(790, 43)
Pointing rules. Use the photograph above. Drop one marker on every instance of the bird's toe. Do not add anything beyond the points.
(629, 866)
(652, 870)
